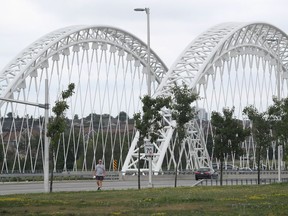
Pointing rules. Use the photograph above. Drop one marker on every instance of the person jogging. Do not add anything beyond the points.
(99, 174)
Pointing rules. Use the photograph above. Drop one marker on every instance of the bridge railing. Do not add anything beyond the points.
(57, 176)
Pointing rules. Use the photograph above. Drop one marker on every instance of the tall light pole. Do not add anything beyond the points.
(46, 140)
(147, 10)
(278, 97)
(280, 149)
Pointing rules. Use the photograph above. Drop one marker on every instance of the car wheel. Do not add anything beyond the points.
(196, 179)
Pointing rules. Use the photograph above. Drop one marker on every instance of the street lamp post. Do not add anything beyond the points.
(147, 10)
(46, 141)
(278, 97)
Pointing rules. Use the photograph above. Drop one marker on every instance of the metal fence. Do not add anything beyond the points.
(244, 181)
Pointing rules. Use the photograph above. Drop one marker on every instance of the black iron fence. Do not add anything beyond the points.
(243, 181)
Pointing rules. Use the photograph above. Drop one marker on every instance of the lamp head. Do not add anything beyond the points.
(139, 9)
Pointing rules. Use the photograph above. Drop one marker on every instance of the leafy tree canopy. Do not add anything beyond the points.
(278, 115)
(228, 133)
(149, 121)
(182, 110)
(57, 124)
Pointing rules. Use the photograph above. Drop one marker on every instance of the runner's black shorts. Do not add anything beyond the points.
(100, 178)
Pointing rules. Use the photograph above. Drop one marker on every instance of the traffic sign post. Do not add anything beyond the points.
(149, 148)
(149, 151)
(280, 157)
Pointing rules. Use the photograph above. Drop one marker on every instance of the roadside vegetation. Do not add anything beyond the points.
(229, 200)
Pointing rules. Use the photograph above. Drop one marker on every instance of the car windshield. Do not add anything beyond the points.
(204, 169)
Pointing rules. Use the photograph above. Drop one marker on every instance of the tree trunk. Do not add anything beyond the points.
(258, 165)
(52, 170)
(177, 160)
(176, 171)
(139, 144)
(221, 172)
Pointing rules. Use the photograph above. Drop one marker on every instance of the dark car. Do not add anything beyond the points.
(205, 173)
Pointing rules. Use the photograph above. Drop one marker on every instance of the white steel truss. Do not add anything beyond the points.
(108, 67)
(232, 64)
(161, 146)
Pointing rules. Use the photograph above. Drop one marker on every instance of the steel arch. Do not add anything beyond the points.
(36, 54)
(209, 50)
(52, 47)
(221, 42)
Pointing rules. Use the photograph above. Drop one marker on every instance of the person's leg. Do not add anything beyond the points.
(100, 183)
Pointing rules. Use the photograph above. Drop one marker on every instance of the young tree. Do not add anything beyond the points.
(182, 113)
(148, 123)
(228, 134)
(278, 115)
(261, 132)
(57, 124)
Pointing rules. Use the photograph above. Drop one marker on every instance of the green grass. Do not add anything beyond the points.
(227, 200)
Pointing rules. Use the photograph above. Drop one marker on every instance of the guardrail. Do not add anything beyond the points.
(56, 176)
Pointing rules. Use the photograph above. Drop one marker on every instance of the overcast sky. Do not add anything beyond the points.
(174, 23)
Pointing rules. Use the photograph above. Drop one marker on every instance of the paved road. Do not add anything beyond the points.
(128, 182)
(90, 185)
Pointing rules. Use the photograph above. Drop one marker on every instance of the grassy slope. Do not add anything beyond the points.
(227, 200)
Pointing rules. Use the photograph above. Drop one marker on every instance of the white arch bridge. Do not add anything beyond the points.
(232, 64)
